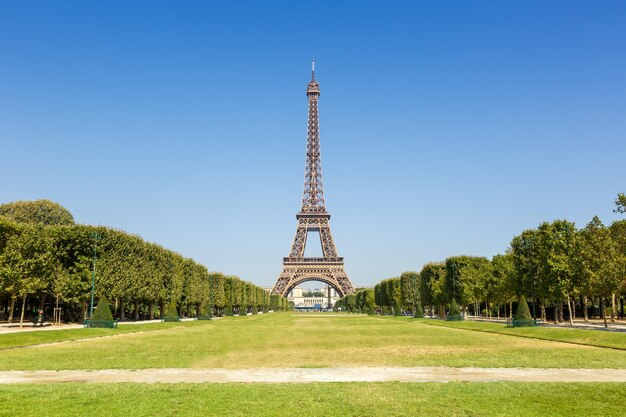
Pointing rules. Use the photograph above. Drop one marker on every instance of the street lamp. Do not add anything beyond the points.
(96, 237)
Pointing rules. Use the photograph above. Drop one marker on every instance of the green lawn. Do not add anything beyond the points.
(602, 338)
(333, 399)
(30, 338)
(316, 340)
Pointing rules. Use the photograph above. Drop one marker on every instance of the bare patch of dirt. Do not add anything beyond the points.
(309, 375)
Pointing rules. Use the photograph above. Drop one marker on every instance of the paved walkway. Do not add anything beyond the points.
(308, 375)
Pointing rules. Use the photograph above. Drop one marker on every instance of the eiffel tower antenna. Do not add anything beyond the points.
(313, 217)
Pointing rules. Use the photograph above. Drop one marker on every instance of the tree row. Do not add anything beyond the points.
(44, 266)
(563, 272)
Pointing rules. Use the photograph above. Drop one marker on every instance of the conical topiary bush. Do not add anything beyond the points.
(205, 313)
(171, 313)
(455, 312)
(102, 316)
(419, 311)
(523, 318)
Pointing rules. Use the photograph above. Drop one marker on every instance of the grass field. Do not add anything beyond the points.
(312, 340)
(309, 340)
(31, 338)
(337, 400)
(599, 337)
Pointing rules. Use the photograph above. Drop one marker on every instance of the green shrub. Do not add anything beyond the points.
(171, 313)
(228, 311)
(102, 311)
(455, 312)
(419, 311)
(523, 318)
(205, 313)
(254, 310)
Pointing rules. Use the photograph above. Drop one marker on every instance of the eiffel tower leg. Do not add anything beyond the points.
(328, 246)
(299, 241)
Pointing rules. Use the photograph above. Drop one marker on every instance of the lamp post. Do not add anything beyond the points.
(95, 237)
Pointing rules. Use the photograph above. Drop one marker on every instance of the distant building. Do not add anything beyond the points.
(297, 296)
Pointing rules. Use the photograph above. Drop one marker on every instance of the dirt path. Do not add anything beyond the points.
(308, 375)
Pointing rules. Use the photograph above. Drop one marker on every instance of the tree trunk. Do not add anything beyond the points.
(122, 314)
(543, 312)
(573, 302)
(613, 309)
(161, 310)
(136, 310)
(569, 310)
(556, 315)
(511, 310)
(83, 310)
(150, 311)
(561, 317)
(12, 308)
(603, 312)
(42, 302)
(22, 314)
(585, 313)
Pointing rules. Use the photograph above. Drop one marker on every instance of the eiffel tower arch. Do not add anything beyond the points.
(313, 217)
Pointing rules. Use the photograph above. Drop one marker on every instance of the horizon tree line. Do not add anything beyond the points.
(572, 272)
(47, 261)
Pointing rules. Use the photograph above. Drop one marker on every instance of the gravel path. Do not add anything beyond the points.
(308, 375)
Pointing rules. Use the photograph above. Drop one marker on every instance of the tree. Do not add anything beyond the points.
(504, 279)
(620, 203)
(601, 262)
(557, 264)
(26, 265)
(432, 283)
(466, 278)
(409, 288)
(41, 212)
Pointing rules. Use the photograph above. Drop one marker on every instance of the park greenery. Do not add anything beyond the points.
(47, 261)
(563, 271)
(283, 340)
(397, 399)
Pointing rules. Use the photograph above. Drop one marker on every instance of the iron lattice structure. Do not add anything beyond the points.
(313, 217)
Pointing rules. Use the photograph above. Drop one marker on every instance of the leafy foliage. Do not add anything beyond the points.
(523, 312)
(171, 313)
(41, 212)
(620, 203)
(102, 311)
(455, 312)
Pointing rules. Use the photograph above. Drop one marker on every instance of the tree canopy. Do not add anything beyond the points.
(42, 212)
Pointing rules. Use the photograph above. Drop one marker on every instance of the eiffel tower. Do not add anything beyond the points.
(313, 217)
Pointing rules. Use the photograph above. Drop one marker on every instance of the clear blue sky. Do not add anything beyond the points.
(446, 127)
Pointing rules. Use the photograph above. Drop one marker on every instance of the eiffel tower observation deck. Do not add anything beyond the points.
(313, 217)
